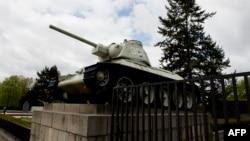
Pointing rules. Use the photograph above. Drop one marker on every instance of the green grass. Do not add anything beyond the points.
(20, 121)
(26, 119)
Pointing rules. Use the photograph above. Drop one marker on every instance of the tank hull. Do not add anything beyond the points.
(91, 87)
(96, 82)
(138, 73)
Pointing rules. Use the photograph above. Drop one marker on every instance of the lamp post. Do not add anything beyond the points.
(7, 103)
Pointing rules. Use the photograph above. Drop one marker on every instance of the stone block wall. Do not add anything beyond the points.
(91, 122)
(70, 122)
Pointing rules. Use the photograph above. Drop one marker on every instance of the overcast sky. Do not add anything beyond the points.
(28, 44)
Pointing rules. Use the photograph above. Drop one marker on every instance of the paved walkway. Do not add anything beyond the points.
(6, 136)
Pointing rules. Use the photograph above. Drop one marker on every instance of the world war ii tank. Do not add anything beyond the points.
(124, 64)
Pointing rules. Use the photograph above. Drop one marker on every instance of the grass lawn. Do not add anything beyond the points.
(21, 121)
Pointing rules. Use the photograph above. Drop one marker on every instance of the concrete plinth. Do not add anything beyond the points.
(71, 122)
(85, 122)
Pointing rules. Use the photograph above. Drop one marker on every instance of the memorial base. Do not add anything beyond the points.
(85, 122)
(71, 122)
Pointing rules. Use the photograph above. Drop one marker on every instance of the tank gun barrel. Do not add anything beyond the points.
(73, 35)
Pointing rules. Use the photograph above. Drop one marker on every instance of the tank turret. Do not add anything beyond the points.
(129, 49)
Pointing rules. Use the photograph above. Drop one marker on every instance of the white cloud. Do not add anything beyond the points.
(28, 45)
(230, 29)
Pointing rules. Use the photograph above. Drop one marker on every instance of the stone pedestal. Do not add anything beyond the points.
(92, 122)
(71, 122)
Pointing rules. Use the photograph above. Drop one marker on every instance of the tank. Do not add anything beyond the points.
(120, 64)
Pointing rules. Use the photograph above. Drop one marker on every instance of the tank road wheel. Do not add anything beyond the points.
(102, 77)
(190, 101)
(177, 98)
(125, 93)
(147, 93)
(164, 97)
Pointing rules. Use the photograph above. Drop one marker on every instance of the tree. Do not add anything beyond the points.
(39, 91)
(241, 90)
(187, 50)
(12, 90)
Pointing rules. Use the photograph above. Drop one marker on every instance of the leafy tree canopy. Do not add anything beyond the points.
(241, 90)
(12, 90)
(39, 90)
